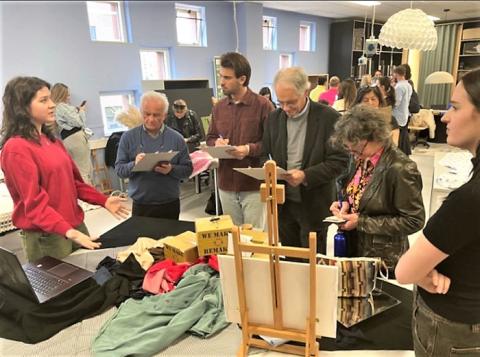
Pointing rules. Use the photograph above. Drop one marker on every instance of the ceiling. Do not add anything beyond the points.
(345, 9)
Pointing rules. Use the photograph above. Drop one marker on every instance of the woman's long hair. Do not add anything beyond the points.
(59, 93)
(17, 118)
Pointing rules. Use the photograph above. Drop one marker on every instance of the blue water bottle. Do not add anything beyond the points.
(340, 244)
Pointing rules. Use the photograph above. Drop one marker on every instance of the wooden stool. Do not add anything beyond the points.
(100, 174)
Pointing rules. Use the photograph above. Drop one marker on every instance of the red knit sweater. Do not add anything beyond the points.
(45, 184)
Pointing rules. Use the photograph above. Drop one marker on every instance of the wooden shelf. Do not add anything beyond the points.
(471, 40)
(470, 55)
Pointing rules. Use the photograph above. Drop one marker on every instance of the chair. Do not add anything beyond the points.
(418, 140)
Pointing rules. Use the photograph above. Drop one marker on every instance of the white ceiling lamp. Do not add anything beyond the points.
(409, 28)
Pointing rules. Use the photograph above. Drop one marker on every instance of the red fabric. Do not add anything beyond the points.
(45, 184)
(201, 161)
(163, 276)
(211, 260)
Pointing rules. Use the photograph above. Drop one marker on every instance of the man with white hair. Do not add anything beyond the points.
(296, 136)
(155, 193)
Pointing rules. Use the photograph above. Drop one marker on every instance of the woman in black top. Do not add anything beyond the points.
(265, 92)
(444, 261)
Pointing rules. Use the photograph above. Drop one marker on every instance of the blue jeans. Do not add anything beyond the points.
(435, 336)
(244, 207)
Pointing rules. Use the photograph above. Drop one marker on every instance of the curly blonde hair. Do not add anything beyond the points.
(130, 117)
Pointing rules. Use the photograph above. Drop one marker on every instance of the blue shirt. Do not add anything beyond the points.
(403, 92)
(152, 187)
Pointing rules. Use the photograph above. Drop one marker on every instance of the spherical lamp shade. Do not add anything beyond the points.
(440, 77)
(410, 28)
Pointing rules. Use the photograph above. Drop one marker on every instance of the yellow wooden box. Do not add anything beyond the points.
(212, 234)
(181, 248)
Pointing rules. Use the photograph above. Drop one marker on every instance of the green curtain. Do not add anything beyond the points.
(440, 59)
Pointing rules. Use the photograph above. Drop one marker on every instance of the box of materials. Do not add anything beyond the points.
(181, 248)
(212, 234)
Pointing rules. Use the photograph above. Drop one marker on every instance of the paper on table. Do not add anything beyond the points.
(219, 152)
(259, 172)
(152, 159)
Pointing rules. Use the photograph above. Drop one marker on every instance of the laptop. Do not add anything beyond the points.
(41, 280)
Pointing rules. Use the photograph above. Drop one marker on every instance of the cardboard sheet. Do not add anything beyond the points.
(152, 159)
(259, 172)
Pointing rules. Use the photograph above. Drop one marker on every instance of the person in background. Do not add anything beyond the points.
(443, 262)
(330, 95)
(403, 93)
(265, 91)
(129, 118)
(186, 122)
(414, 104)
(372, 97)
(319, 88)
(375, 78)
(388, 92)
(346, 96)
(297, 136)
(42, 178)
(382, 193)
(366, 81)
(155, 193)
(238, 120)
(71, 123)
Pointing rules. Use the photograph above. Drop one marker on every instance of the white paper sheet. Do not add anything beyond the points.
(152, 159)
(259, 172)
(294, 286)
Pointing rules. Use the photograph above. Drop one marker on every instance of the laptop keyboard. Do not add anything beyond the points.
(42, 282)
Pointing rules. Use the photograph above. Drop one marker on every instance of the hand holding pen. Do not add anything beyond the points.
(221, 141)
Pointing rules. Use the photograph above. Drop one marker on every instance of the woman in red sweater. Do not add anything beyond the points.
(41, 177)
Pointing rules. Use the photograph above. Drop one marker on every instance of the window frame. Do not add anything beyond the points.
(273, 39)
(166, 56)
(131, 101)
(312, 36)
(121, 19)
(290, 57)
(202, 38)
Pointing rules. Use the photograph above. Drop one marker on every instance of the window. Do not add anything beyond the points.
(286, 60)
(105, 19)
(111, 104)
(155, 64)
(191, 25)
(307, 36)
(269, 30)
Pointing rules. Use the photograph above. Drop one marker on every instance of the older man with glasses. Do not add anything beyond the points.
(383, 189)
(297, 136)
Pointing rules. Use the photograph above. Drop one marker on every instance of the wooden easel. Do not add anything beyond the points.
(274, 194)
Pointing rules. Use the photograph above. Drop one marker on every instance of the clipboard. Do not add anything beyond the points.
(152, 159)
(219, 152)
(259, 172)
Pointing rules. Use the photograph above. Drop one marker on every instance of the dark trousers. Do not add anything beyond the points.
(404, 140)
(294, 228)
(170, 210)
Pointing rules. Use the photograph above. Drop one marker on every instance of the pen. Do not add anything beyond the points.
(340, 199)
(270, 157)
(220, 136)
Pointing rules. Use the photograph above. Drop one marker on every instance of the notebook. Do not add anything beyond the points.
(41, 280)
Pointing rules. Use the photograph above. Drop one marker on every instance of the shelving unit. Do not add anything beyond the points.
(347, 41)
(468, 42)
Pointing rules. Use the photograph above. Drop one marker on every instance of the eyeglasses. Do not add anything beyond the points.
(355, 152)
(179, 106)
